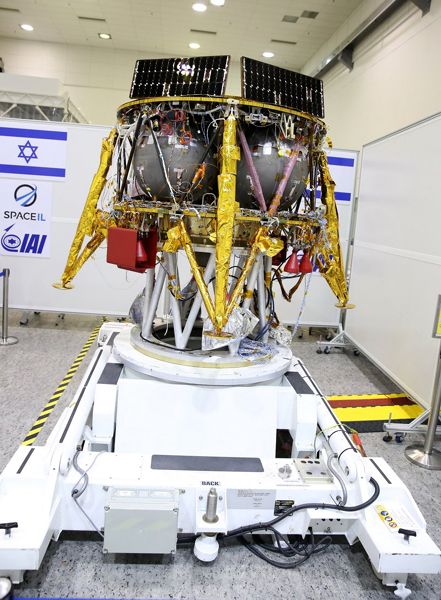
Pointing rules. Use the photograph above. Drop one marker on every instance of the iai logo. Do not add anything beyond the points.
(10, 242)
(30, 243)
(26, 194)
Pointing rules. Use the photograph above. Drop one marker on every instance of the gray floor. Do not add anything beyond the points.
(31, 371)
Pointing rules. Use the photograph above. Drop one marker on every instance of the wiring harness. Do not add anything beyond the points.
(283, 547)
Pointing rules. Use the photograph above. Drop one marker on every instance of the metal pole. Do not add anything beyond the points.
(6, 340)
(426, 455)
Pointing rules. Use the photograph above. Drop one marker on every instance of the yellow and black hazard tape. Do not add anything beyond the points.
(48, 409)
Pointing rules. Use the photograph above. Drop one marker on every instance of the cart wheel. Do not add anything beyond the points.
(327, 350)
(387, 438)
(356, 352)
(5, 588)
(399, 437)
(300, 336)
(319, 351)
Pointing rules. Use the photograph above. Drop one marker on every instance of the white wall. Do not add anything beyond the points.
(97, 79)
(395, 80)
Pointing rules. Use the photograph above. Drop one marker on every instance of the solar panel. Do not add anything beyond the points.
(198, 76)
(265, 83)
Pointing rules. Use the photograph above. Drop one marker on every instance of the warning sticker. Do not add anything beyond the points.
(394, 518)
(255, 499)
(282, 506)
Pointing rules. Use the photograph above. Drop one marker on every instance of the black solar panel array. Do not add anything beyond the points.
(199, 76)
(265, 83)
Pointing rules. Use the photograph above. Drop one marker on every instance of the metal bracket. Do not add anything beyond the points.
(345, 57)
(340, 340)
(418, 425)
(423, 5)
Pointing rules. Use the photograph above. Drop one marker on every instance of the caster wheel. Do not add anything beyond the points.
(387, 438)
(399, 438)
(5, 588)
(300, 336)
(356, 352)
(328, 337)
(36, 312)
(24, 322)
(319, 351)
(327, 350)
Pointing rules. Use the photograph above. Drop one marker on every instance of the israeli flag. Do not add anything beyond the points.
(35, 152)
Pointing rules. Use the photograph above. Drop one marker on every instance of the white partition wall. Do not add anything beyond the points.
(396, 272)
(99, 287)
(319, 308)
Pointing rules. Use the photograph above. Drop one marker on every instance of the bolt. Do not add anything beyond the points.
(180, 530)
(201, 497)
(106, 488)
(182, 491)
(175, 510)
(221, 498)
(107, 508)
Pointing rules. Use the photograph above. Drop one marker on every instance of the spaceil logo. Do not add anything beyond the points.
(26, 196)
(31, 243)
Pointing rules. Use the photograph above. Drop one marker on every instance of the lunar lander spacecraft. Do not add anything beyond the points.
(171, 436)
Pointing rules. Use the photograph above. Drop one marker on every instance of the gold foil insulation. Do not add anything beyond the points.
(174, 240)
(226, 208)
(269, 246)
(91, 222)
(262, 243)
(177, 237)
(332, 269)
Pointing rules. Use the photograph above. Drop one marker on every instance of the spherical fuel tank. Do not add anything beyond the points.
(183, 149)
(270, 157)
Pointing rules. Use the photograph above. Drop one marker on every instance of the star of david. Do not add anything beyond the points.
(28, 147)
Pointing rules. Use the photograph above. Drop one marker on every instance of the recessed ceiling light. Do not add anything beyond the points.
(105, 36)
(309, 14)
(199, 7)
(203, 31)
(268, 54)
(274, 41)
(217, 2)
(290, 19)
(194, 45)
(26, 27)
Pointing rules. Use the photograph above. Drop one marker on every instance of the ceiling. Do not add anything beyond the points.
(242, 27)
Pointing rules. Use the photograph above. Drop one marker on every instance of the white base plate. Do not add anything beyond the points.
(211, 368)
